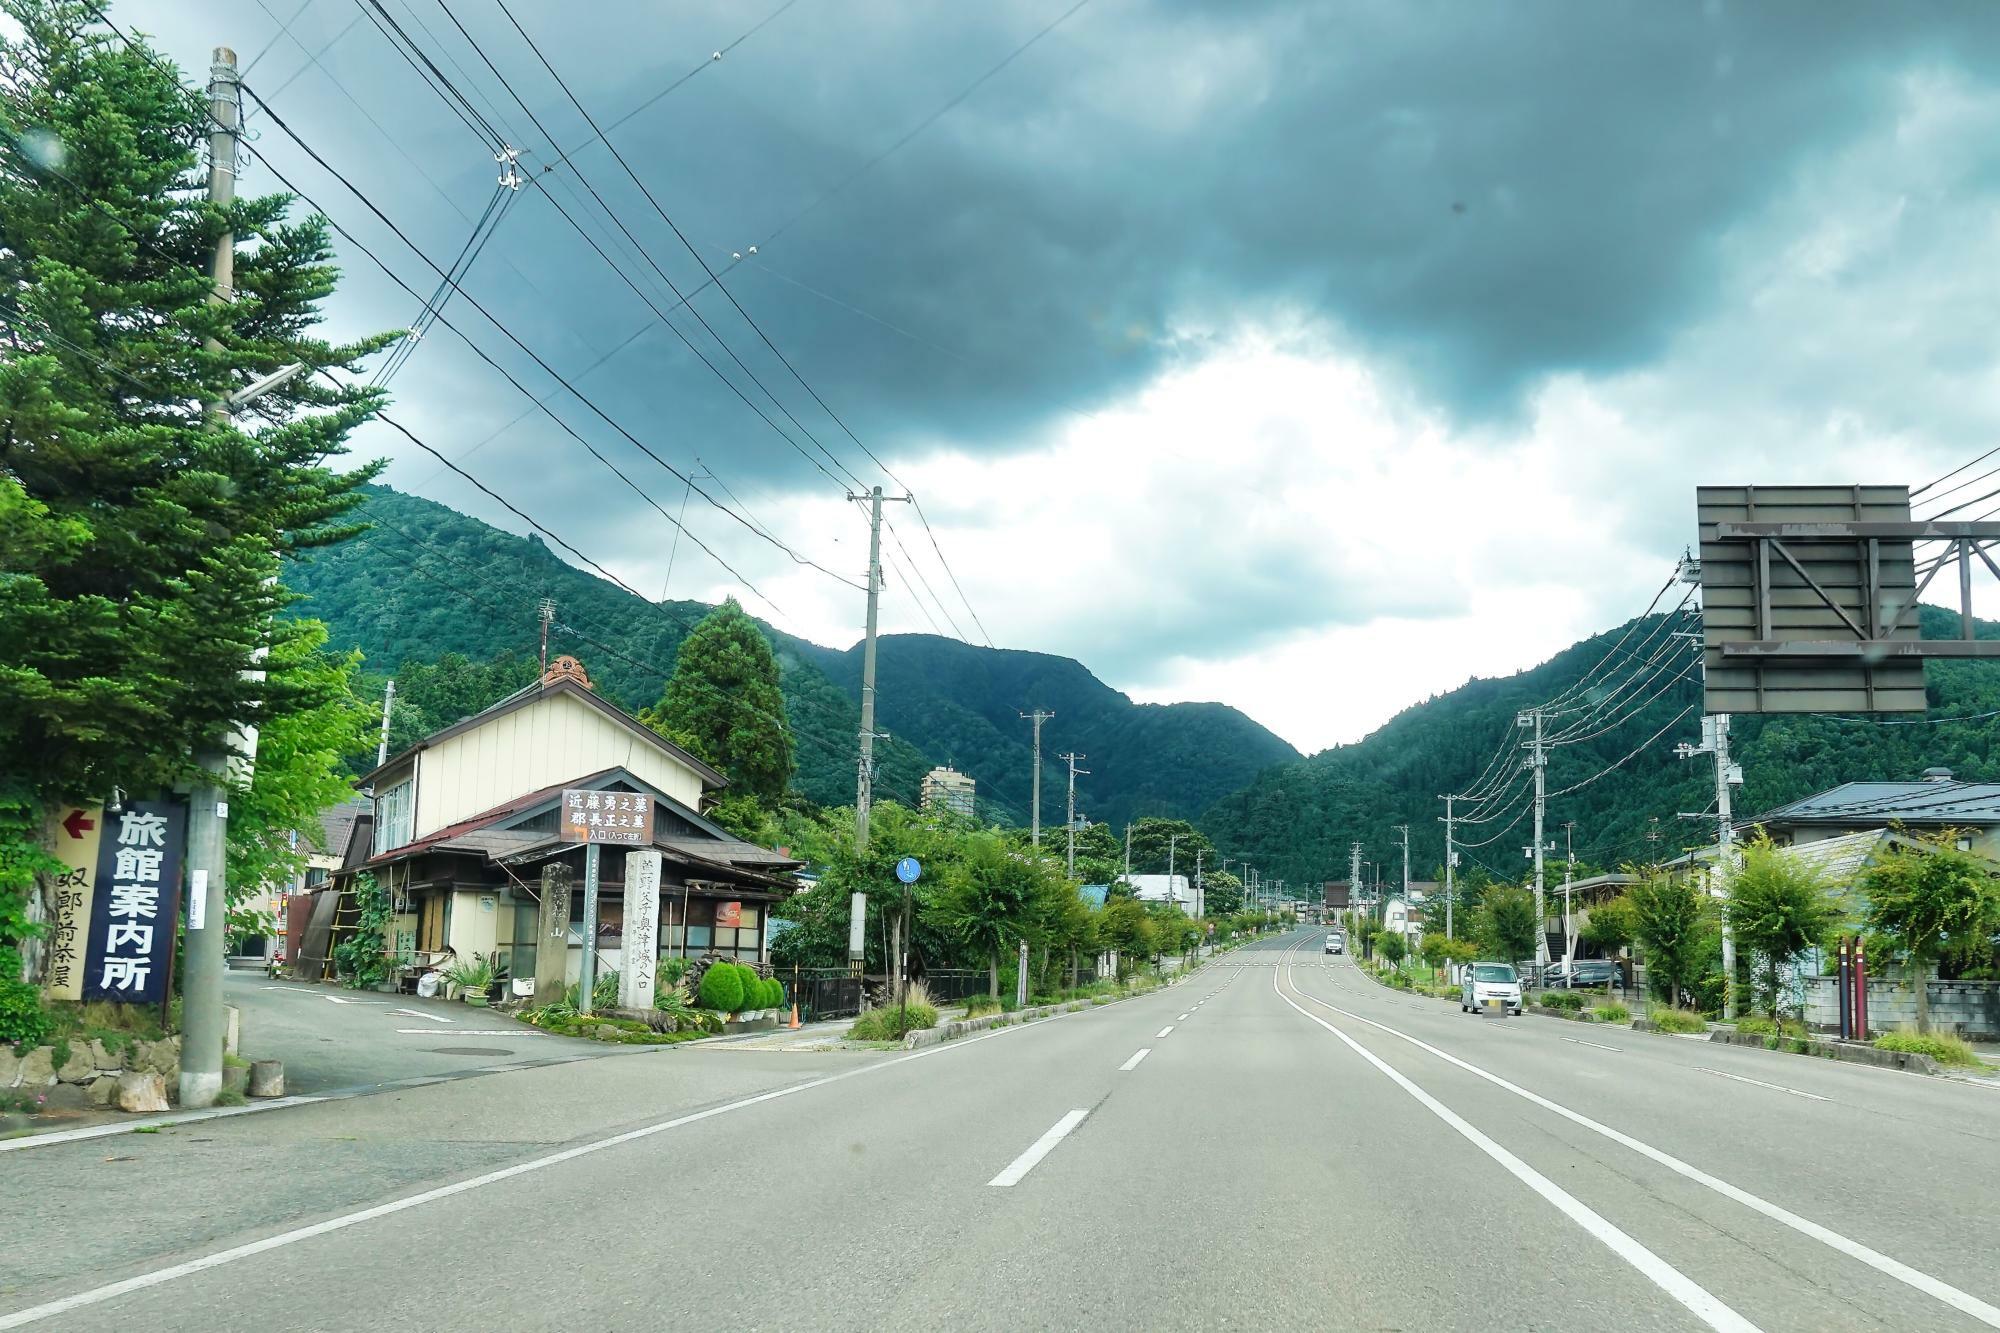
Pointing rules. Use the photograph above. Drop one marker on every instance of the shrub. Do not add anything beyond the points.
(722, 988)
(22, 1018)
(1678, 1020)
(671, 971)
(753, 986)
(1561, 999)
(1611, 1013)
(986, 1004)
(604, 994)
(1945, 1050)
(889, 1022)
(1756, 1025)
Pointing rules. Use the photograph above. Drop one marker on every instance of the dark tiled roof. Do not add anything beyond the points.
(336, 822)
(1904, 802)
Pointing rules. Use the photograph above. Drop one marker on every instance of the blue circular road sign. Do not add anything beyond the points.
(908, 869)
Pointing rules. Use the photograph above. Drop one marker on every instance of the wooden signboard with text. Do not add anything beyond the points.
(615, 818)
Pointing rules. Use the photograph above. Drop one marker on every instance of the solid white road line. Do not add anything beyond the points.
(428, 1018)
(1775, 1087)
(1704, 1304)
(467, 1032)
(1598, 1044)
(1133, 1063)
(96, 1295)
(1163, 1031)
(1039, 1149)
(1854, 1249)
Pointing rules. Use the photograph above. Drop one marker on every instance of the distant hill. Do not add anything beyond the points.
(1297, 820)
(426, 580)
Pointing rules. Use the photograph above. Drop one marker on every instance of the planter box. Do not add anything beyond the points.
(763, 1022)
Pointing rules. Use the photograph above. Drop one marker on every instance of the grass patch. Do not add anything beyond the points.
(1945, 1050)
(230, 1097)
(1684, 1021)
(892, 1021)
(1757, 1025)
(1611, 1013)
(979, 1005)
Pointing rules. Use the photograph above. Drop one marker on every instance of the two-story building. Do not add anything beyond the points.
(1935, 802)
(465, 820)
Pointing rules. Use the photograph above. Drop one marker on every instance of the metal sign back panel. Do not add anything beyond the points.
(1802, 610)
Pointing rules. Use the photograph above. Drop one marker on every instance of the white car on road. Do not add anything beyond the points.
(1495, 984)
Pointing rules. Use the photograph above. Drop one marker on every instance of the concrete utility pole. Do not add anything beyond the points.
(1073, 771)
(545, 611)
(864, 785)
(1173, 840)
(1715, 741)
(1539, 761)
(1199, 852)
(1039, 716)
(388, 707)
(1128, 854)
(208, 804)
(1569, 879)
(1450, 865)
(1354, 875)
(1404, 829)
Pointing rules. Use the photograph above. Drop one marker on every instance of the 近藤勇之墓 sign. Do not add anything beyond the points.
(621, 818)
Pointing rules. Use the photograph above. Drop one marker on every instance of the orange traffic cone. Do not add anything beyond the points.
(795, 1016)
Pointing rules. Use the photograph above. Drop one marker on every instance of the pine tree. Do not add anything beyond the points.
(140, 535)
(723, 704)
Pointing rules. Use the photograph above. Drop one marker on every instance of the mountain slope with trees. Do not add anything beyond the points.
(1297, 820)
(425, 581)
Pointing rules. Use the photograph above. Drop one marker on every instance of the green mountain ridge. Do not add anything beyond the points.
(1297, 820)
(426, 580)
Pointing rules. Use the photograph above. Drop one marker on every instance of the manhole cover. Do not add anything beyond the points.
(469, 1050)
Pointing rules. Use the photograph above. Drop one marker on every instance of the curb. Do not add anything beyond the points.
(966, 1026)
(1906, 1061)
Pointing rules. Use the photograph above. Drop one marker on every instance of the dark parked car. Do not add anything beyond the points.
(1588, 973)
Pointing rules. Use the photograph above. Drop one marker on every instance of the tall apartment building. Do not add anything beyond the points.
(949, 788)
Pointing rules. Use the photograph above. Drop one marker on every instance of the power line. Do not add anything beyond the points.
(508, 333)
(1612, 768)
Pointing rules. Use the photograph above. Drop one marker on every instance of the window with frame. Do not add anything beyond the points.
(395, 816)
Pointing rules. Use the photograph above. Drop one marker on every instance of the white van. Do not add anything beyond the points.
(1496, 984)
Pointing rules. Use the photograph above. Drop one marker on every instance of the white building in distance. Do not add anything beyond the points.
(949, 788)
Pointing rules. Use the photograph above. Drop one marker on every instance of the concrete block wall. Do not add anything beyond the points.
(1971, 1009)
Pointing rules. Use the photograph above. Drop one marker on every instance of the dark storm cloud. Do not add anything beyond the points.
(1476, 195)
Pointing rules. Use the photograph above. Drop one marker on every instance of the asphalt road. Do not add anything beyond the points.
(1297, 1148)
(334, 1040)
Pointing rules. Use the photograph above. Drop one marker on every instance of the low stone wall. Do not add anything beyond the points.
(1851, 1051)
(94, 1077)
(1969, 1009)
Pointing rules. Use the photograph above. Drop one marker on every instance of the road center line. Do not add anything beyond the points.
(157, 1277)
(1704, 1304)
(1039, 1149)
(1163, 1032)
(1775, 1087)
(1181, 1019)
(1133, 1063)
(1875, 1259)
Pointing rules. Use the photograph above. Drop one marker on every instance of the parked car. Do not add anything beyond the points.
(1495, 984)
(1586, 972)
(1336, 942)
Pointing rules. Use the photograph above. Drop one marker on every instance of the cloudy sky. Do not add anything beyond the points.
(1312, 357)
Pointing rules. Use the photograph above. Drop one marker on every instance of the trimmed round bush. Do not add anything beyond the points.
(722, 988)
(753, 986)
(779, 998)
(769, 994)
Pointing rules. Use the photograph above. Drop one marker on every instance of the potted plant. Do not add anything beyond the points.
(473, 980)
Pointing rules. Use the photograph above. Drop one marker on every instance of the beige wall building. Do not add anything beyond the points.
(950, 789)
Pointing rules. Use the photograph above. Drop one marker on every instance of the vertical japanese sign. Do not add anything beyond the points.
(136, 897)
(76, 846)
(624, 818)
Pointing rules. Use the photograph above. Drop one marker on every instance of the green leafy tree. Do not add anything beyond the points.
(723, 703)
(1126, 926)
(1392, 946)
(1611, 926)
(1674, 925)
(140, 532)
(1153, 838)
(430, 696)
(1779, 906)
(989, 899)
(1932, 903)
(1505, 923)
(1222, 893)
(300, 769)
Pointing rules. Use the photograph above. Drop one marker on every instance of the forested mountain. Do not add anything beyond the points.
(426, 580)
(1298, 820)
